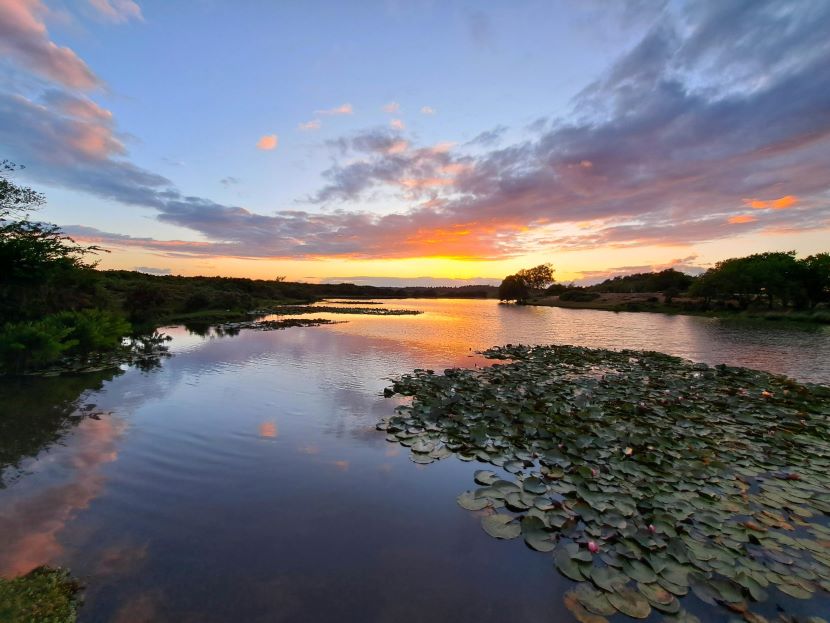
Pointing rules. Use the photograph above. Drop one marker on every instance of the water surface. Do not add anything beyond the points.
(243, 479)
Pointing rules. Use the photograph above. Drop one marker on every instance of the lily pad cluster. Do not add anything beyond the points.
(272, 325)
(293, 310)
(646, 477)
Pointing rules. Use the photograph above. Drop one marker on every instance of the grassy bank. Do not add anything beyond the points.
(655, 302)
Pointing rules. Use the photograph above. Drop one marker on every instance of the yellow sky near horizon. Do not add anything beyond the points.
(569, 264)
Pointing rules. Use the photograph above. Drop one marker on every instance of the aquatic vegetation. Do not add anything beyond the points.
(355, 302)
(650, 479)
(45, 595)
(290, 310)
(272, 325)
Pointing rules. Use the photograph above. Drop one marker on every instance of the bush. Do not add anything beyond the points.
(578, 296)
(34, 344)
(94, 329)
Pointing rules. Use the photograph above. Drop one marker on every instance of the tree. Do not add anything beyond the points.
(41, 269)
(513, 288)
(538, 277)
(767, 277)
(816, 278)
(15, 200)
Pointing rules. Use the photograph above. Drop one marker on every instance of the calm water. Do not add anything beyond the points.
(243, 480)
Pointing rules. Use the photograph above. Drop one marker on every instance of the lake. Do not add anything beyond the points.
(243, 478)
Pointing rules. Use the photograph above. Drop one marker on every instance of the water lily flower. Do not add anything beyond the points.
(594, 472)
(593, 547)
(628, 451)
(651, 528)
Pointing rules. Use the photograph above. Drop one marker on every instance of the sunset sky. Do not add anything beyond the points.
(380, 142)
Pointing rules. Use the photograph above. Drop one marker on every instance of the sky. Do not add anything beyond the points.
(422, 142)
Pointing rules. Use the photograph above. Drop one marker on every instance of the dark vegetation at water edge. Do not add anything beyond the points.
(773, 286)
(653, 482)
(45, 595)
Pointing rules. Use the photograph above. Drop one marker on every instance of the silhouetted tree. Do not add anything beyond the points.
(513, 288)
(538, 277)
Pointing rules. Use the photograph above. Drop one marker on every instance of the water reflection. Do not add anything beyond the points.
(244, 479)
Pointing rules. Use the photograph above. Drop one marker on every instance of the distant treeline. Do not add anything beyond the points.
(773, 281)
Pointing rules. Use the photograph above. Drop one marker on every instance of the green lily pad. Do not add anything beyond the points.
(501, 526)
(469, 501)
(630, 602)
(607, 578)
(567, 565)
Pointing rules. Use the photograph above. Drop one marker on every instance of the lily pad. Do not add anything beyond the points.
(501, 526)
(630, 602)
(469, 501)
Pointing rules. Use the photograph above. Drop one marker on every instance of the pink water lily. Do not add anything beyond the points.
(651, 528)
(593, 547)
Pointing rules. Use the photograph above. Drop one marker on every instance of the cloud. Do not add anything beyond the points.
(150, 270)
(739, 219)
(428, 110)
(397, 124)
(343, 109)
(267, 142)
(781, 203)
(24, 38)
(658, 151)
(117, 11)
(489, 138)
(229, 181)
(314, 124)
(392, 107)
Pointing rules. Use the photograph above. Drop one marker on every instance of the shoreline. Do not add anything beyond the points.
(638, 303)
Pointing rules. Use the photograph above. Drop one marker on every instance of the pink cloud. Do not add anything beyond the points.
(314, 124)
(392, 107)
(343, 109)
(23, 36)
(268, 142)
(397, 124)
(117, 11)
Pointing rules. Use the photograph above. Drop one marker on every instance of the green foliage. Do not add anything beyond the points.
(513, 288)
(94, 329)
(44, 596)
(33, 344)
(768, 278)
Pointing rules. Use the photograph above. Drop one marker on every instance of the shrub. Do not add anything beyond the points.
(94, 329)
(33, 344)
(578, 296)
